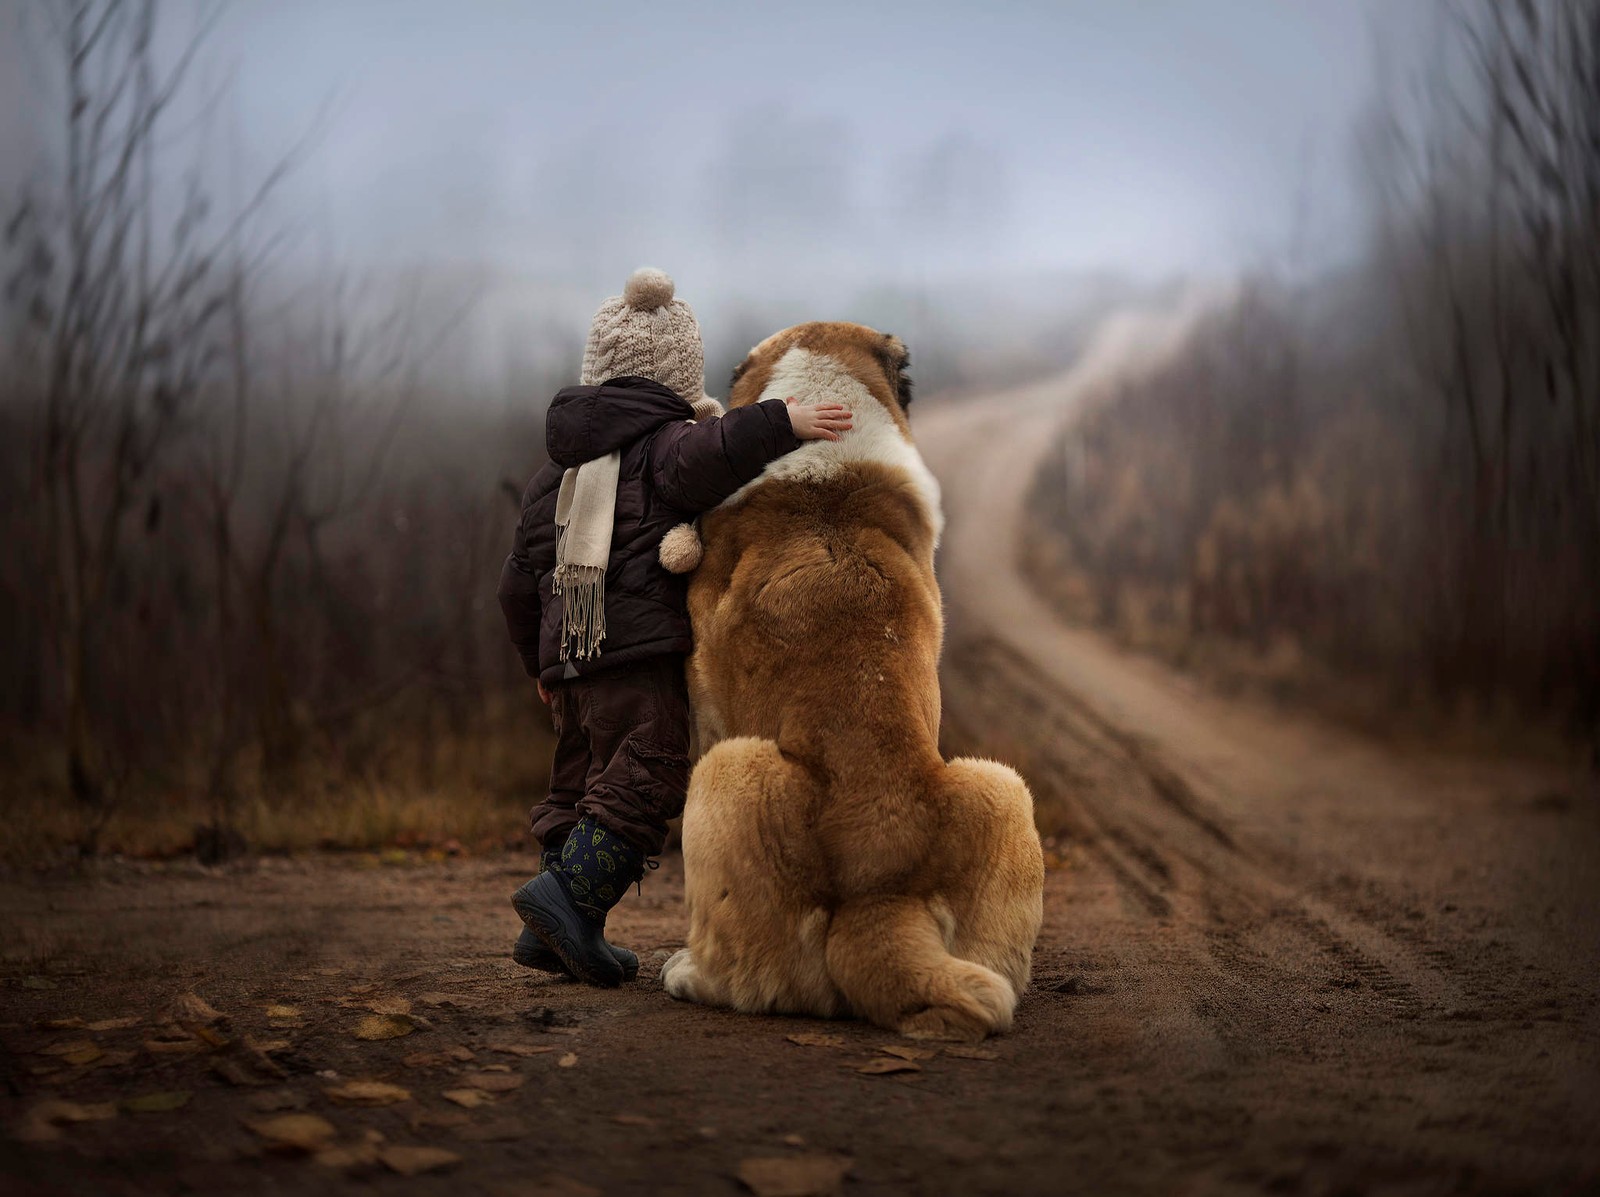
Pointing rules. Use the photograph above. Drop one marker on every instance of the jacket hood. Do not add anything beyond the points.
(588, 422)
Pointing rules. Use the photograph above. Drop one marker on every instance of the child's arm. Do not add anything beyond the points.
(694, 467)
(519, 601)
(519, 582)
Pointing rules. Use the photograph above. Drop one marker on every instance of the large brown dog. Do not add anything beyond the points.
(836, 864)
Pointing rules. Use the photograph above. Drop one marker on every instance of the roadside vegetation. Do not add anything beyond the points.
(1380, 492)
(251, 534)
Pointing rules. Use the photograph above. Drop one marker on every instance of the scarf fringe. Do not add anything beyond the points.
(583, 621)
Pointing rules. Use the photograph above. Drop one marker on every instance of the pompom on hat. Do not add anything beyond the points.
(647, 332)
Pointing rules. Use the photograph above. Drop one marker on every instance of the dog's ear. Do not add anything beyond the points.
(896, 360)
(739, 372)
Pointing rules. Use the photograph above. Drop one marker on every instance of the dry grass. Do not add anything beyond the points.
(1148, 618)
(422, 790)
(1279, 511)
(45, 829)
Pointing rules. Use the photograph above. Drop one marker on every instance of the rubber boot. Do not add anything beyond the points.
(530, 951)
(566, 906)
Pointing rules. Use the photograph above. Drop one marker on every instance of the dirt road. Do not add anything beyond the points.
(1358, 967)
(1276, 958)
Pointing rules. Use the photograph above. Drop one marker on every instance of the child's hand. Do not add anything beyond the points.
(818, 421)
(544, 695)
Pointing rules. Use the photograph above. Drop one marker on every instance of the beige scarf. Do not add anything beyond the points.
(585, 510)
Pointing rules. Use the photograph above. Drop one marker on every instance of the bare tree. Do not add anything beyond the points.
(116, 270)
(122, 314)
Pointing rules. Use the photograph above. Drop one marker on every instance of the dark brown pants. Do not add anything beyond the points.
(622, 753)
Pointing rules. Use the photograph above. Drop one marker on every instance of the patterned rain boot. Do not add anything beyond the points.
(566, 906)
(530, 951)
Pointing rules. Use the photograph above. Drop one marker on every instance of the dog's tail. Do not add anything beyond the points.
(888, 957)
(951, 965)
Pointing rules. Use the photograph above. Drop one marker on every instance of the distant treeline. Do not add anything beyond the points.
(250, 543)
(1392, 475)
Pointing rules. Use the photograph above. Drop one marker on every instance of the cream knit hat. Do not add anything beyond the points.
(645, 331)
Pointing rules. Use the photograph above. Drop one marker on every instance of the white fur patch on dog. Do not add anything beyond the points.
(813, 377)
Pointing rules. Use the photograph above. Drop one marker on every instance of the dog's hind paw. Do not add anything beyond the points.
(677, 974)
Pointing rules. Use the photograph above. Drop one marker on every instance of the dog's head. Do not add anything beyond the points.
(811, 361)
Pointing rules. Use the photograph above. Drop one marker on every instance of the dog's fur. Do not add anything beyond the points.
(836, 864)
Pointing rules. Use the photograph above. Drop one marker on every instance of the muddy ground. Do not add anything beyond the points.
(1277, 957)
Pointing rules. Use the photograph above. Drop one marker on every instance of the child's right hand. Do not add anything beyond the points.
(818, 421)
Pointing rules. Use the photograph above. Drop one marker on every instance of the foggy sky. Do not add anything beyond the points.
(1152, 136)
(800, 148)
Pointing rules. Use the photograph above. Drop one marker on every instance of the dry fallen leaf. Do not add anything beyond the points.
(520, 1049)
(884, 1066)
(450, 1055)
(794, 1175)
(348, 1155)
(470, 1098)
(279, 1099)
(905, 1052)
(384, 1026)
(495, 1067)
(210, 1036)
(427, 1060)
(570, 1060)
(62, 1112)
(235, 1072)
(632, 1120)
(113, 1024)
(460, 1001)
(815, 1039)
(390, 1005)
(157, 1103)
(256, 1055)
(278, 1011)
(192, 1008)
(172, 1039)
(966, 1051)
(413, 1161)
(30, 1130)
(366, 1093)
(62, 1046)
(115, 1059)
(495, 1082)
(294, 1132)
(43, 1122)
(61, 1024)
(74, 1051)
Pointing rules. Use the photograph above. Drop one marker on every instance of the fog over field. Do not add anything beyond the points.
(949, 170)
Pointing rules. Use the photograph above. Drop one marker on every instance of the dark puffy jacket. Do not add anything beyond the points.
(671, 471)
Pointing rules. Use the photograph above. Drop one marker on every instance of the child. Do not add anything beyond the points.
(601, 623)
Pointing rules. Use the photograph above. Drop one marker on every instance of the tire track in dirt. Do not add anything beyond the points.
(1174, 855)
